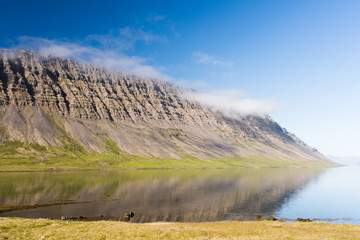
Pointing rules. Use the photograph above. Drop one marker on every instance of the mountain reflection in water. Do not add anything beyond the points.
(154, 195)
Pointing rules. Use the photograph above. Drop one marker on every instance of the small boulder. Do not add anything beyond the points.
(303, 220)
(271, 218)
(128, 216)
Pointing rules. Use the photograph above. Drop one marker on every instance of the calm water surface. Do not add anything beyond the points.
(185, 195)
(333, 196)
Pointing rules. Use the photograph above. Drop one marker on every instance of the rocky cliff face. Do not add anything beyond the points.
(53, 101)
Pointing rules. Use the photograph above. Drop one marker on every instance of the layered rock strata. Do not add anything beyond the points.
(49, 100)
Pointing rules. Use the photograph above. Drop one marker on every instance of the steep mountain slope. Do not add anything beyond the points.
(61, 104)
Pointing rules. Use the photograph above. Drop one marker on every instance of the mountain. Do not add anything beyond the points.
(53, 108)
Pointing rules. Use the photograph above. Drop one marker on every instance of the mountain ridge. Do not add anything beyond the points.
(56, 102)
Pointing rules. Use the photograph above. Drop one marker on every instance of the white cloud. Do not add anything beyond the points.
(193, 84)
(99, 55)
(203, 58)
(123, 38)
(112, 40)
(155, 17)
(232, 103)
(138, 34)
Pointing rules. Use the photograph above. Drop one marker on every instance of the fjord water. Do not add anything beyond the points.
(334, 196)
(184, 195)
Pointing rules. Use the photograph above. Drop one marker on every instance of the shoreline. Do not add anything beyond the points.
(176, 168)
(122, 219)
(21, 228)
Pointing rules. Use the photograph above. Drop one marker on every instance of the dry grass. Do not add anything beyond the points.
(17, 228)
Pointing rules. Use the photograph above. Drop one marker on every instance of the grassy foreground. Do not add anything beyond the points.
(17, 228)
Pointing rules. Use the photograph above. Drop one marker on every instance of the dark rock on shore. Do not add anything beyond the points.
(303, 220)
(128, 216)
(268, 218)
(71, 218)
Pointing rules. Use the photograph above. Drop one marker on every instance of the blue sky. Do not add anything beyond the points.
(300, 57)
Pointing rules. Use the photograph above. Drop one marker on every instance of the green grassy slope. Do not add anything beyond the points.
(18, 156)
